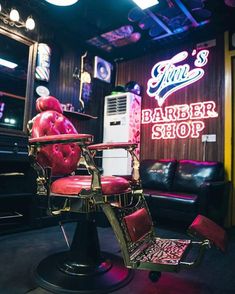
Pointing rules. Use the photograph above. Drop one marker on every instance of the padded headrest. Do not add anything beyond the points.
(48, 103)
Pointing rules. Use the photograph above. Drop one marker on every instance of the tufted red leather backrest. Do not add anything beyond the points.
(48, 103)
(62, 158)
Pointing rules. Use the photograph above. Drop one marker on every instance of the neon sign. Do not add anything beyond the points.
(179, 121)
(167, 77)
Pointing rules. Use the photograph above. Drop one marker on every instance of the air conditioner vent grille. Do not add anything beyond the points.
(116, 105)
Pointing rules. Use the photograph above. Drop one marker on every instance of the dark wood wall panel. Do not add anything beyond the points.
(62, 84)
(95, 108)
(210, 87)
(65, 57)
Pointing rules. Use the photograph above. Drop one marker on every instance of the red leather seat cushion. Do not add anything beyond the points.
(74, 184)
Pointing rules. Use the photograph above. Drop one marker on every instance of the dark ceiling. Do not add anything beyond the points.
(117, 29)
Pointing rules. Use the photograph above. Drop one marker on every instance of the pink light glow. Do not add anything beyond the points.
(181, 130)
(179, 121)
(199, 110)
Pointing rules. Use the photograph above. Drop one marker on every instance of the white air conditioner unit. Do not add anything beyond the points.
(122, 117)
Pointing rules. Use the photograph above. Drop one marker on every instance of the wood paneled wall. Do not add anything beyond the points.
(63, 86)
(210, 87)
(95, 107)
(65, 57)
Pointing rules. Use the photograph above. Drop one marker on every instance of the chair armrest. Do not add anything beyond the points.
(130, 147)
(112, 145)
(62, 138)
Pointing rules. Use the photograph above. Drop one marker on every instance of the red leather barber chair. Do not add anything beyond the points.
(56, 149)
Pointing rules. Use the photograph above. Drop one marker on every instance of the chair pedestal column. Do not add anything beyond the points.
(84, 268)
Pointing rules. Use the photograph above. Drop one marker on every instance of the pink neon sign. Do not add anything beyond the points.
(179, 121)
(167, 77)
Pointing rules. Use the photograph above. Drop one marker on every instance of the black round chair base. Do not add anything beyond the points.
(50, 276)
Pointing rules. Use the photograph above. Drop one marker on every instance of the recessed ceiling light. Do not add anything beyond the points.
(143, 4)
(62, 2)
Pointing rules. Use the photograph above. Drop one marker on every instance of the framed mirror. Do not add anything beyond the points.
(17, 67)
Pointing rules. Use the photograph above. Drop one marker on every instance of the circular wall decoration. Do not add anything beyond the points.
(42, 91)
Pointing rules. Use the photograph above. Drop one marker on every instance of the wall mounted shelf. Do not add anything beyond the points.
(79, 115)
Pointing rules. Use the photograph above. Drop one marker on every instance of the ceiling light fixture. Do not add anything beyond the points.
(14, 15)
(12, 18)
(62, 2)
(143, 4)
(30, 23)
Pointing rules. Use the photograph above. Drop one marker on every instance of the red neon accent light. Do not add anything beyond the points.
(167, 77)
(179, 121)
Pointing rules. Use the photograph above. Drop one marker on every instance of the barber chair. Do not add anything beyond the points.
(55, 150)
